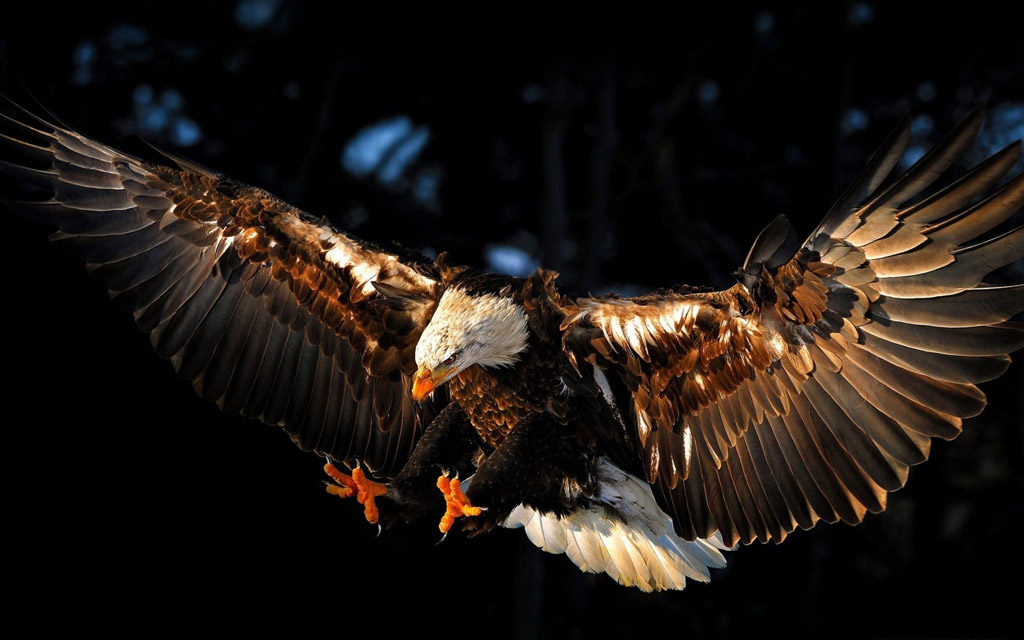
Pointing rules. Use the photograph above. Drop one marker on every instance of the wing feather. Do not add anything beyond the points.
(786, 484)
(812, 386)
(217, 376)
(770, 493)
(804, 462)
(257, 355)
(267, 311)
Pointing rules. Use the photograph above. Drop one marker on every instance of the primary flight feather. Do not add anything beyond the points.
(639, 436)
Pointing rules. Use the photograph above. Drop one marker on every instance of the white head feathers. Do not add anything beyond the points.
(487, 330)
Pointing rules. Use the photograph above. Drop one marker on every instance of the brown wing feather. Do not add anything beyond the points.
(269, 312)
(805, 392)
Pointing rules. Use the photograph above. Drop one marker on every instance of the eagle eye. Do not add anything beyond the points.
(450, 359)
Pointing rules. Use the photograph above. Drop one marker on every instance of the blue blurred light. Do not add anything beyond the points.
(926, 91)
(922, 125)
(82, 58)
(185, 132)
(854, 120)
(143, 94)
(1005, 125)
(509, 260)
(1008, 122)
(85, 52)
(912, 155)
(170, 99)
(764, 22)
(861, 13)
(407, 151)
(426, 186)
(126, 35)
(369, 147)
(153, 119)
(365, 151)
(707, 91)
(255, 14)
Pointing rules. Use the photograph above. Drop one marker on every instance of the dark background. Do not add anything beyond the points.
(628, 152)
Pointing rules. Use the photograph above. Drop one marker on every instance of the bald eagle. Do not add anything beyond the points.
(640, 436)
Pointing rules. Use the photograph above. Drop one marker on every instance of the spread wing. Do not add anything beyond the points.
(806, 391)
(268, 311)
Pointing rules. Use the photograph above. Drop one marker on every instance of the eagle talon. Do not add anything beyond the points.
(364, 489)
(456, 502)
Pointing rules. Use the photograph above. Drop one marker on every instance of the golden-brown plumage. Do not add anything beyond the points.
(490, 407)
(268, 311)
(801, 398)
(803, 393)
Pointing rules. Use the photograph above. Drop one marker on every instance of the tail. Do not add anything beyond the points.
(623, 533)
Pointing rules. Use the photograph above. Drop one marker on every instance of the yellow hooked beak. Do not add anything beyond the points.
(426, 381)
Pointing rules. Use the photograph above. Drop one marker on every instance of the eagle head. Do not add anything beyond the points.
(466, 329)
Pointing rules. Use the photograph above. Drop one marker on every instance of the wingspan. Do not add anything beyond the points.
(268, 311)
(806, 391)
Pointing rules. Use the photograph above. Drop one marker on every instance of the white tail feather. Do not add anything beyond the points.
(624, 534)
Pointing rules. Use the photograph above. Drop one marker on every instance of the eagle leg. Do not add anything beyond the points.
(541, 464)
(456, 501)
(364, 489)
(449, 443)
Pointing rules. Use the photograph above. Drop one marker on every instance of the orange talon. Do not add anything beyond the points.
(364, 489)
(348, 485)
(456, 501)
